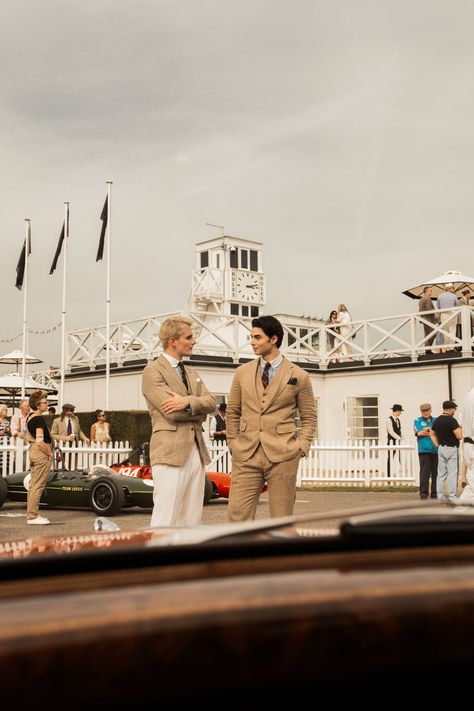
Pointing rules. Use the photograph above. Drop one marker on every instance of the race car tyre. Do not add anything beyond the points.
(208, 490)
(3, 490)
(106, 496)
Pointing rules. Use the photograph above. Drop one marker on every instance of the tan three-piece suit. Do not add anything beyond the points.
(177, 449)
(263, 438)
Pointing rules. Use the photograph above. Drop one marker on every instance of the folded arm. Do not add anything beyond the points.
(156, 390)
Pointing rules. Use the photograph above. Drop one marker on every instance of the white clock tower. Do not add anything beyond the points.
(228, 278)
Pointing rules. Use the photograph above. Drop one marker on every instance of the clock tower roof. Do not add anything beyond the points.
(228, 241)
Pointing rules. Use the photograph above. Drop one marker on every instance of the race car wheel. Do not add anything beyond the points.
(208, 490)
(106, 496)
(3, 490)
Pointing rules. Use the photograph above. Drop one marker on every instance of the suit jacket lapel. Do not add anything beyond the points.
(278, 382)
(253, 377)
(192, 381)
(172, 375)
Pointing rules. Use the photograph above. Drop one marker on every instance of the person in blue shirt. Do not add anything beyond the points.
(427, 452)
(448, 300)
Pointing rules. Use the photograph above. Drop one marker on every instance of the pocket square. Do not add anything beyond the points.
(292, 381)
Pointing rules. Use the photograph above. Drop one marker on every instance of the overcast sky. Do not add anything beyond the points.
(338, 132)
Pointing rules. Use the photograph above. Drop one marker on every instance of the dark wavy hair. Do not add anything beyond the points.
(270, 326)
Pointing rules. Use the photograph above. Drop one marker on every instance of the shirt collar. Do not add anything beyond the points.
(273, 363)
(172, 361)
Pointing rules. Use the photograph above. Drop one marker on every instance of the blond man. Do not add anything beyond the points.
(178, 403)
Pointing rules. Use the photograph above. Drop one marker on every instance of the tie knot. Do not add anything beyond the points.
(268, 366)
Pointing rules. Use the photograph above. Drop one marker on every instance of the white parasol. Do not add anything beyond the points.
(16, 357)
(458, 280)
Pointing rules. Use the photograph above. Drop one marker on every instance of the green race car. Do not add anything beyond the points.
(101, 489)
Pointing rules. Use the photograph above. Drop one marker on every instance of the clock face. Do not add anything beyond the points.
(248, 286)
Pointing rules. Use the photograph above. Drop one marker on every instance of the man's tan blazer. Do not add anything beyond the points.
(256, 415)
(59, 429)
(174, 433)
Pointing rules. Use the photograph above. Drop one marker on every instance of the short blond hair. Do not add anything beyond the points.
(173, 328)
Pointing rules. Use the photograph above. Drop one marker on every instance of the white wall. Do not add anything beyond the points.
(408, 386)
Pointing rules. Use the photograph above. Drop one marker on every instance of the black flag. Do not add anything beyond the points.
(103, 217)
(58, 251)
(20, 267)
(60, 243)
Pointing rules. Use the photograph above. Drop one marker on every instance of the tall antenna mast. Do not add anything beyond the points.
(220, 227)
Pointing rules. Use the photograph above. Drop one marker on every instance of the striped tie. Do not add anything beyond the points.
(183, 376)
(265, 375)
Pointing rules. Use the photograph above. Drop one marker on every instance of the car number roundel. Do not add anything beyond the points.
(27, 481)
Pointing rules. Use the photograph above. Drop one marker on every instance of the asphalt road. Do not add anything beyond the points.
(63, 522)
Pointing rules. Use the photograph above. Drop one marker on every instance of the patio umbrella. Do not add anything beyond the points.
(13, 382)
(459, 281)
(16, 357)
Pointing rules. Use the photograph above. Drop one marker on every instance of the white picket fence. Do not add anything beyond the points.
(350, 462)
(357, 462)
(14, 454)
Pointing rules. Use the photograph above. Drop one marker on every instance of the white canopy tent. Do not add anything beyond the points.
(458, 280)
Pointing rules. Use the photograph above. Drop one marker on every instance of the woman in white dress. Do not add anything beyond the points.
(344, 318)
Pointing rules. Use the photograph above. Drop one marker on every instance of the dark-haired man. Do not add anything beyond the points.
(261, 425)
(446, 433)
(426, 304)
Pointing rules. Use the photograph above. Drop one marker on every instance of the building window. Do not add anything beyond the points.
(254, 311)
(234, 259)
(363, 417)
(234, 309)
(245, 310)
(244, 259)
(218, 260)
(204, 260)
(253, 261)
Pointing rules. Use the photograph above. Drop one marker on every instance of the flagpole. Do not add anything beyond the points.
(107, 320)
(25, 301)
(63, 312)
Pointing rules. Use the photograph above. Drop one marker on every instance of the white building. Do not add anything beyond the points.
(388, 363)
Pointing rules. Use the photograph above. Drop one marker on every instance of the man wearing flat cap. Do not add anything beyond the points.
(66, 427)
(394, 435)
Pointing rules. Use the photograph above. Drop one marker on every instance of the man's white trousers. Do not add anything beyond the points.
(468, 492)
(178, 493)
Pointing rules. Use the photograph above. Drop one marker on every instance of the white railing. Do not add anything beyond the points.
(359, 462)
(221, 460)
(369, 342)
(14, 455)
